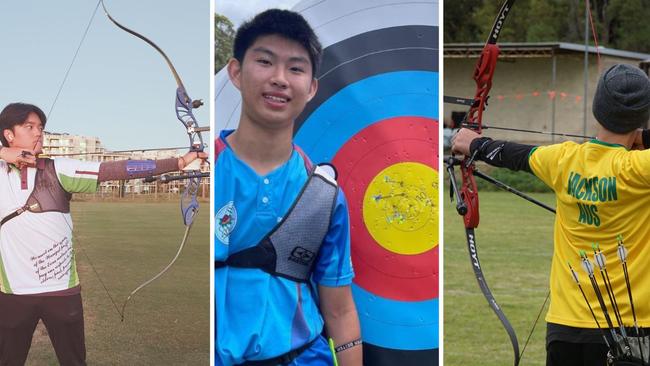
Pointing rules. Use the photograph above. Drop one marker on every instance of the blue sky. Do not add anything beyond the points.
(119, 88)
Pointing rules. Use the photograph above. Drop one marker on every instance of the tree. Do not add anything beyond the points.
(224, 35)
(628, 24)
(620, 24)
(459, 26)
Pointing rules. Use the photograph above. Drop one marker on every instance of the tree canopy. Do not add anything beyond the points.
(620, 24)
(224, 35)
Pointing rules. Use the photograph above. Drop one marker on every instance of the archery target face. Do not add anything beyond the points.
(388, 173)
(375, 118)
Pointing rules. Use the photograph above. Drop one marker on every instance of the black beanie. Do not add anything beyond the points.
(622, 99)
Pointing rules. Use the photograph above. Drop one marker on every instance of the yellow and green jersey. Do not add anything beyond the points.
(602, 190)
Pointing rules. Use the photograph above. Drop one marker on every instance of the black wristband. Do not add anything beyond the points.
(348, 345)
(478, 144)
(645, 137)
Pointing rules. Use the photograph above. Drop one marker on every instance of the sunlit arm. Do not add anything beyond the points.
(341, 322)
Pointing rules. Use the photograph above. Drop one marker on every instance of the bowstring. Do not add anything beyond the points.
(75, 238)
(599, 66)
(593, 32)
(532, 330)
(74, 58)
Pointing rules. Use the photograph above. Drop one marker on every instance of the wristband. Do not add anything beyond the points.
(478, 144)
(348, 345)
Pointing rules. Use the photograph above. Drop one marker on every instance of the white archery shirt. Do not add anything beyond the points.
(36, 250)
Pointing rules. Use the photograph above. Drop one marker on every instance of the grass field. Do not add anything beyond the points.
(514, 241)
(166, 323)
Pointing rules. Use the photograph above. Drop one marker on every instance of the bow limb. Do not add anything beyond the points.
(184, 106)
(167, 267)
(469, 207)
(485, 289)
(179, 82)
(189, 210)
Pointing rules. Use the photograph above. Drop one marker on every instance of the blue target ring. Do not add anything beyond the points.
(394, 324)
(394, 94)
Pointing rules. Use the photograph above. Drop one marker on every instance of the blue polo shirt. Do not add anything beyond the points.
(260, 316)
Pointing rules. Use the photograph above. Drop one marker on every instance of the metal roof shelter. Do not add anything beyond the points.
(536, 55)
(537, 49)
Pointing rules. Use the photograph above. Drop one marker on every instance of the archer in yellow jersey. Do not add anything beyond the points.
(602, 190)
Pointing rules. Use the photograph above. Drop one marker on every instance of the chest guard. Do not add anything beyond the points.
(47, 195)
(291, 249)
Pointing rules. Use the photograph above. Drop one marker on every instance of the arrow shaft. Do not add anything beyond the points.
(584, 296)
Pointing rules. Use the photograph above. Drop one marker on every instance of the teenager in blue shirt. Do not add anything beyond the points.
(262, 318)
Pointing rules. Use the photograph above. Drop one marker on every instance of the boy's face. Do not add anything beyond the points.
(28, 135)
(275, 81)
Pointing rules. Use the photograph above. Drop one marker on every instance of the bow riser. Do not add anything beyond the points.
(469, 194)
(185, 114)
(483, 73)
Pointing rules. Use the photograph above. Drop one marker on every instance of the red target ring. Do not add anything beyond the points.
(359, 161)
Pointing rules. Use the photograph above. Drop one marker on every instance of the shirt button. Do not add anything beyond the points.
(265, 200)
(266, 181)
(279, 218)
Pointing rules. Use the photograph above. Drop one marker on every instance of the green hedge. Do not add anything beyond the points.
(521, 181)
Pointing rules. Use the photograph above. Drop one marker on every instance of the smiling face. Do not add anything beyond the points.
(275, 81)
(28, 135)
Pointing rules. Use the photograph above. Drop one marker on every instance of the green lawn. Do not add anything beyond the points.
(514, 241)
(167, 323)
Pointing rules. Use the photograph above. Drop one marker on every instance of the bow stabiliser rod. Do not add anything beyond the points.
(169, 178)
(452, 161)
(473, 103)
(184, 106)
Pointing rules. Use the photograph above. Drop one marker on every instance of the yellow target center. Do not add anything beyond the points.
(400, 208)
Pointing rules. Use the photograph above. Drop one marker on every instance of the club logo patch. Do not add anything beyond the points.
(302, 256)
(225, 222)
